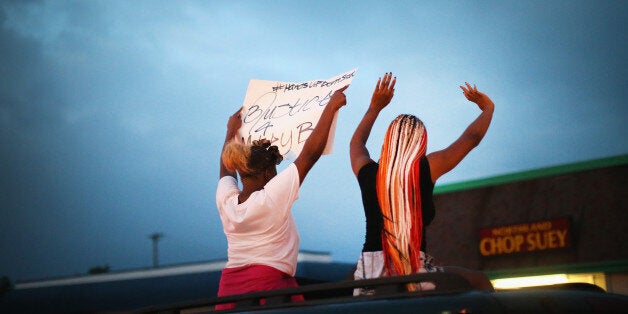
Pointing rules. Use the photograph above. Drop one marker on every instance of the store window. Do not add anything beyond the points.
(598, 279)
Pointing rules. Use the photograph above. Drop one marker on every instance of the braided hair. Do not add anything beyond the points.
(398, 194)
(251, 160)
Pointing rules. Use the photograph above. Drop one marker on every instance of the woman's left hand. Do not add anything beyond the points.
(473, 94)
(338, 98)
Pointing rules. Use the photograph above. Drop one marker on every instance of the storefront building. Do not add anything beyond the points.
(559, 224)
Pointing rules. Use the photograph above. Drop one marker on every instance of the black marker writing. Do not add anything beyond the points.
(312, 84)
(287, 114)
(258, 118)
(285, 139)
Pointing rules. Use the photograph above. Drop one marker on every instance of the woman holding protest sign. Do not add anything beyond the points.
(397, 190)
(263, 241)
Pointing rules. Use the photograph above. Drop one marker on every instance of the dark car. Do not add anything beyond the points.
(453, 294)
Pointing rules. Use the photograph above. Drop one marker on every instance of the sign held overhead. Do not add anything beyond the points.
(285, 113)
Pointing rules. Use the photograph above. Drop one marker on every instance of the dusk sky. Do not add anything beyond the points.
(113, 113)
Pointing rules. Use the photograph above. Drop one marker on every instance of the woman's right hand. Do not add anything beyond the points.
(233, 125)
(384, 92)
(235, 121)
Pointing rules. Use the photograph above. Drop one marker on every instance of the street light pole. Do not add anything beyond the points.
(155, 237)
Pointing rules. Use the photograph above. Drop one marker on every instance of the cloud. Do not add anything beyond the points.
(112, 113)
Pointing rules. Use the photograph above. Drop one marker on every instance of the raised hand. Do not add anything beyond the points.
(473, 94)
(235, 121)
(338, 98)
(384, 92)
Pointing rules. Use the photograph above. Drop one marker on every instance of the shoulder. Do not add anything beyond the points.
(283, 189)
(227, 182)
(291, 171)
(368, 170)
(227, 187)
(425, 172)
(287, 177)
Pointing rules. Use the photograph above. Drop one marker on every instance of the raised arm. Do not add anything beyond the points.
(315, 143)
(444, 160)
(382, 95)
(233, 125)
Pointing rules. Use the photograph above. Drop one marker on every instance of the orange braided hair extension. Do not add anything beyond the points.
(399, 194)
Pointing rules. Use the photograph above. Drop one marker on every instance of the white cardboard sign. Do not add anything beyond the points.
(286, 113)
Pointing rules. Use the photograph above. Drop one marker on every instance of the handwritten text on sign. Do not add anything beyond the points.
(534, 236)
(286, 113)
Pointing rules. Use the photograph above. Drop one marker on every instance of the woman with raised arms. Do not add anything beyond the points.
(263, 242)
(397, 190)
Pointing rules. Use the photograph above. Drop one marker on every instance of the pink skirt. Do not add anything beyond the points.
(253, 278)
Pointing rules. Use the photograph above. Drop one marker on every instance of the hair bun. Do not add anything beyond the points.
(263, 155)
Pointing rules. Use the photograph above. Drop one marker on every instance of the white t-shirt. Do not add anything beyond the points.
(261, 230)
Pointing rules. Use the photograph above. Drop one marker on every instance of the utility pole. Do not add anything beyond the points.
(155, 237)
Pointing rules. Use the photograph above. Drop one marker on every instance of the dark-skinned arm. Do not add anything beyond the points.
(316, 142)
(444, 160)
(382, 95)
(233, 125)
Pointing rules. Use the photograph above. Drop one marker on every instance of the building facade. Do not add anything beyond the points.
(569, 222)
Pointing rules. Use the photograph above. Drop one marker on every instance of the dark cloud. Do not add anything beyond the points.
(83, 152)
(112, 112)
(25, 84)
(25, 118)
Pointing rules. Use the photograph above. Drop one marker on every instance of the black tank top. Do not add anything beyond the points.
(367, 179)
